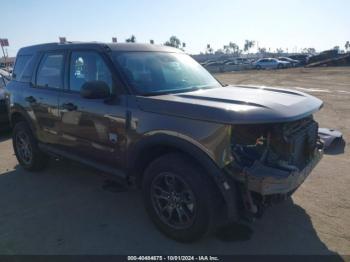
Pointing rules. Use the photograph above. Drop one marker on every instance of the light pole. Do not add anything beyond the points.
(3, 42)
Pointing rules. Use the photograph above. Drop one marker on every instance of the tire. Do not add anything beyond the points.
(186, 216)
(280, 66)
(26, 148)
(258, 67)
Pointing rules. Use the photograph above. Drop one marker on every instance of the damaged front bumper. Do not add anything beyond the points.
(266, 180)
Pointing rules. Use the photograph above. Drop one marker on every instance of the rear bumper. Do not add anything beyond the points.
(266, 180)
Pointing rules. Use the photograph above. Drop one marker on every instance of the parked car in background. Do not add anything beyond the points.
(271, 63)
(242, 61)
(303, 59)
(215, 63)
(293, 62)
(204, 154)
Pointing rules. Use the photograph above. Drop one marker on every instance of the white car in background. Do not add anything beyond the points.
(271, 63)
(293, 62)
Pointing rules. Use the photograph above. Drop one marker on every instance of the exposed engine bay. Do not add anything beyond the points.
(287, 146)
(272, 160)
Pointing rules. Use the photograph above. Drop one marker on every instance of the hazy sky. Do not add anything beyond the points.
(322, 24)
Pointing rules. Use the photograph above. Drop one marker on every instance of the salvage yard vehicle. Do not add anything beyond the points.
(271, 63)
(293, 62)
(303, 59)
(204, 154)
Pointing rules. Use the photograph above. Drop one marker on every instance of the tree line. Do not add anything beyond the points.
(233, 48)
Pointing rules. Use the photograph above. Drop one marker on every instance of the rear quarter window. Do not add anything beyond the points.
(50, 71)
(23, 68)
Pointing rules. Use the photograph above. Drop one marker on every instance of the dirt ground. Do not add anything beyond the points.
(71, 209)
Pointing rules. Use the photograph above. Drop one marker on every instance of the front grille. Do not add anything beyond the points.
(276, 145)
(300, 139)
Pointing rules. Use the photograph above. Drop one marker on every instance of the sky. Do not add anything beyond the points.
(291, 24)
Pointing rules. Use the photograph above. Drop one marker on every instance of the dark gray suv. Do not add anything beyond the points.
(203, 154)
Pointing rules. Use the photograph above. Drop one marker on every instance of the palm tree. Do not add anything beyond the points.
(347, 46)
(234, 47)
(174, 42)
(279, 51)
(262, 50)
(131, 39)
(209, 49)
(226, 49)
(248, 45)
(309, 50)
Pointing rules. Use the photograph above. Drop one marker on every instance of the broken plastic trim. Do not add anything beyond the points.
(267, 180)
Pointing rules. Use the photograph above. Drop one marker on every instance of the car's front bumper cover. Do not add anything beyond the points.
(267, 180)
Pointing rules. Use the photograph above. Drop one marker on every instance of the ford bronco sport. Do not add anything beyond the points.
(203, 153)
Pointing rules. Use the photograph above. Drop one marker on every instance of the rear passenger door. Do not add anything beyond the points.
(42, 97)
(92, 128)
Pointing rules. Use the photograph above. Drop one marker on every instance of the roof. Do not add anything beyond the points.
(122, 47)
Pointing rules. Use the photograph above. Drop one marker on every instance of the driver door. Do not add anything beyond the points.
(92, 128)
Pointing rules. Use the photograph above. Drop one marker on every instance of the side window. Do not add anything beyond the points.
(88, 66)
(50, 71)
(22, 64)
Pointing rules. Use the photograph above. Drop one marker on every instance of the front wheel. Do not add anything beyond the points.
(26, 148)
(280, 66)
(179, 198)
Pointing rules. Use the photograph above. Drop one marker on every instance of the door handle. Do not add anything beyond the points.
(69, 106)
(30, 99)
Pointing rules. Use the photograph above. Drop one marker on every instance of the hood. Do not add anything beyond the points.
(235, 105)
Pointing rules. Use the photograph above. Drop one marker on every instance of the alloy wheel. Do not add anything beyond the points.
(173, 200)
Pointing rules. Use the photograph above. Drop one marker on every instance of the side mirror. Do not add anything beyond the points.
(95, 90)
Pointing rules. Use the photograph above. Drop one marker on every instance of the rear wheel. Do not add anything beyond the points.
(26, 148)
(180, 198)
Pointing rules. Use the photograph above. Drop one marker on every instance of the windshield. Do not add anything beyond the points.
(151, 73)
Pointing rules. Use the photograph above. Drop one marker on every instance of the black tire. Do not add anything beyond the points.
(280, 66)
(258, 67)
(29, 156)
(199, 207)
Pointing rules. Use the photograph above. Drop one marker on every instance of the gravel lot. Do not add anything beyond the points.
(70, 209)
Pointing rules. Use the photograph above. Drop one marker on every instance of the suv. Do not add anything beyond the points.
(204, 154)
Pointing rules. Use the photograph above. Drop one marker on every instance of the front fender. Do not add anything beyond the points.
(194, 149)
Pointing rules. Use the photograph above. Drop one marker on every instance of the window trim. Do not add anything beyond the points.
(102, 56)
(40, 60)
